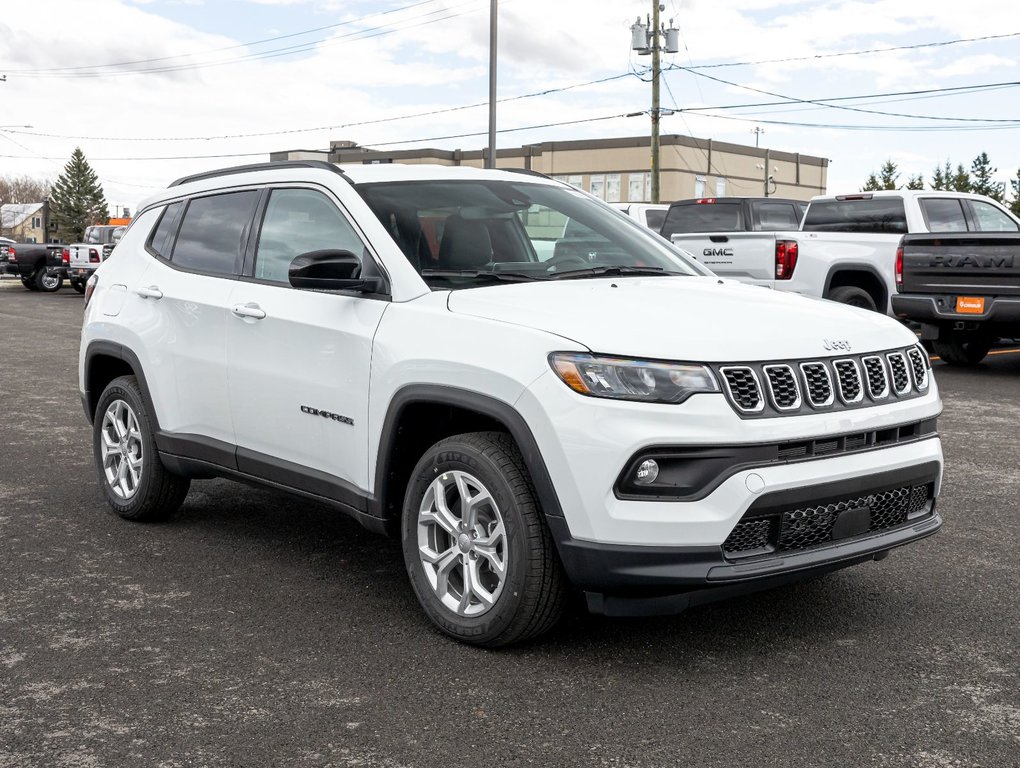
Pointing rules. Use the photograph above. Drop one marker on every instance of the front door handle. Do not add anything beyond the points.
(251, 309)
(150, 292)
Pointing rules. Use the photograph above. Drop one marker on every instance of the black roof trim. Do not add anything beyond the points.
(270, 166)
(526, 172)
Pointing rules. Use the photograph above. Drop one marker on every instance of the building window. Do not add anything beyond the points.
(598, 187)
(36, 222)
(699, 186)
(53, 225)
(720, 187)
(636, 188)
(613, 187)
(576, 181)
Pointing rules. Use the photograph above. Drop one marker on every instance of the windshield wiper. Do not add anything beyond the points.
(509, 277)
(574, 274)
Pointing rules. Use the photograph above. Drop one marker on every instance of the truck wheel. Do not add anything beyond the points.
(854, 296)
(78, 285)
(47, 283)
(29, 283)
(962, 348)
(136, 484)
(480, 557)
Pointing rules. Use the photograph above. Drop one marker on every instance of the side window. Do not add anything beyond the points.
(773, 217)
(298, 221)
(943, 214)
(159, 243)
(211, 235)
(991, 219)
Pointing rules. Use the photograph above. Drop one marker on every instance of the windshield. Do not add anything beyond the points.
(460, 233)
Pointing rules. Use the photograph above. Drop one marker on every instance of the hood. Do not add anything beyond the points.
(703, 319)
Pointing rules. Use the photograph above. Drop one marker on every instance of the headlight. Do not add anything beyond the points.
(622, 379)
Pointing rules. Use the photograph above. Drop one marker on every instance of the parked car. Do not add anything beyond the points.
(28, 261)
(649, 214)
(614, 419)
(4, 243)
(964, 290)
(732, 214)
(85, 257)
(846, 247)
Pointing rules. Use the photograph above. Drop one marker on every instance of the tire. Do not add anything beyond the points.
(957, 348)
(78, 285)
(854, 296)
(47, 283)
(29, 282)
(532, 594)
(153, 493)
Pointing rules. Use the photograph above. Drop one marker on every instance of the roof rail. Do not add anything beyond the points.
(270, 166)
(527, 172)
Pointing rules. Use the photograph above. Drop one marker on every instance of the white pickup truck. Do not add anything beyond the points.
(846, 247)
(84, 258)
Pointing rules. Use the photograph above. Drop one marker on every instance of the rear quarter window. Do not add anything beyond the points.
(160, 244)
(943, 214)
(880, 215)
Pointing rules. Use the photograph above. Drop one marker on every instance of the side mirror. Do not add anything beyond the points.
(330, 270)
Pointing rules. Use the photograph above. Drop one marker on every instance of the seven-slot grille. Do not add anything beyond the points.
(783, 387)
(809, 526)
(819, 384)
(848, 378)
(919, 368)
(878, 382)
(744, 389)
(769, 389)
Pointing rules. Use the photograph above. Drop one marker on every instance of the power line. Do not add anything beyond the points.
(817, 56)
(377, 121)
(223, 48)
(859, 127)
(381, 144)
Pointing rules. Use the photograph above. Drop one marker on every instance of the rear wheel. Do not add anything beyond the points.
(956, 348)
(854, 296)
(46, 282)
(136, 484)
(78, 285)
(479, 555)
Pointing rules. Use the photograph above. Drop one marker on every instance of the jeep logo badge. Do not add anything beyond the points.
(836, 345)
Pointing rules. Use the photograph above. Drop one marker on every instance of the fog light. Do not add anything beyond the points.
(646, 473)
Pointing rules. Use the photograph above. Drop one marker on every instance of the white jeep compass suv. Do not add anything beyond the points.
(533, 391)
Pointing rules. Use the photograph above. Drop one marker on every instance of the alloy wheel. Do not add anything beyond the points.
(121, 442)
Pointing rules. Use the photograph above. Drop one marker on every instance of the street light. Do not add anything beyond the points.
(651, 37)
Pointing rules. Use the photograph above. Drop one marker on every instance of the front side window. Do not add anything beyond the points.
(991, 219)
(459, 233)
(943, 214)
(300, 221)
(211, 237)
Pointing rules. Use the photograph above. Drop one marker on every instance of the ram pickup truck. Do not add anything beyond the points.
(845, 249)
(85, 257)
(964, 290)
(29, 261)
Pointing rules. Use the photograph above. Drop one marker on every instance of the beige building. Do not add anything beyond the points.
(617, 169)
(24, 222)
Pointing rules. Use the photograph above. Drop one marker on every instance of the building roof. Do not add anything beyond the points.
(15, 214)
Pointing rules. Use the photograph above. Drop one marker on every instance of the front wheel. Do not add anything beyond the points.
(854, 296)
(957, 348)
(479, 555)
(136, 484)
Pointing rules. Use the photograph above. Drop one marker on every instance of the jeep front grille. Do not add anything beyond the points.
(878, 382)
(919, 368)
(783, 387)
(819, 384)
(900, 378)
(848, 378)
(745, 391)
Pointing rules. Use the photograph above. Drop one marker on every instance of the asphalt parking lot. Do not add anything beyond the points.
(256, 629)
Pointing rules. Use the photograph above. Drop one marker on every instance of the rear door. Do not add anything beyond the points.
(299, 360)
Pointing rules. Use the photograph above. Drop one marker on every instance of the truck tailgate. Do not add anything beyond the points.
(746, 256)
(968, 263)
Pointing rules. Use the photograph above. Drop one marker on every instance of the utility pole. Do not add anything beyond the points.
(490, 158)
(757, 131)
(645, 39)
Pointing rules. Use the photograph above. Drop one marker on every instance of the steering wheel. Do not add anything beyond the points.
(564, 259)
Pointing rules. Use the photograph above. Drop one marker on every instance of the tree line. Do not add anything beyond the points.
(76, 199)
(978, 179)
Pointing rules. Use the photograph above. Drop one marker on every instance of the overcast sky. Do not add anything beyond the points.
(191, 77)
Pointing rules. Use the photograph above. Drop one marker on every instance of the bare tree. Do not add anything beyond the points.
(23, 189)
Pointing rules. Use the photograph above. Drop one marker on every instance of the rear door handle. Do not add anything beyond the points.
(150, 292)
(251, 309)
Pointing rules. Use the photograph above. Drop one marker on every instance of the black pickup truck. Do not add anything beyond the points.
(30, 262)
(964, 290)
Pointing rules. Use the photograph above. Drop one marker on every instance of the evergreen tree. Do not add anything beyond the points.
(77, 200)
(942, 176)
(960, 180)
(888, 174)
(981, 173)
(915, 182)
(1015, 184)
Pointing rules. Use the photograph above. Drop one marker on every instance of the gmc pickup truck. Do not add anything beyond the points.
(845, 249)
(964, 289)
